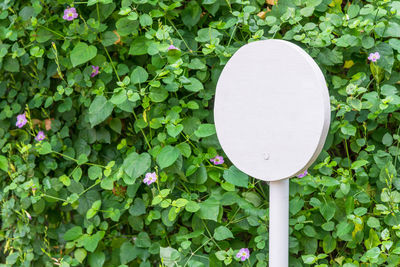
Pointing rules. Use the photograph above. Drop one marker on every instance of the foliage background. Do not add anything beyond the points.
(150, 109)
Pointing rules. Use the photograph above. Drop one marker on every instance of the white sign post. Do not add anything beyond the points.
(272, 117)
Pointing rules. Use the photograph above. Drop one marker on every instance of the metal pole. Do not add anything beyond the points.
(279, 223)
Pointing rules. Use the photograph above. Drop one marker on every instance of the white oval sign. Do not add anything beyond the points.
(272, 110)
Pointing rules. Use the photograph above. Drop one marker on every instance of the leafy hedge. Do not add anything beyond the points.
(124, 88)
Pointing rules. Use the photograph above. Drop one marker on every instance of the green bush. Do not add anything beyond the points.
(78, 197)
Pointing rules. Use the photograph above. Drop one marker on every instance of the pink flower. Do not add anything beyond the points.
(243, 254)
(301, 175)
(150, 178)
(40, 136)
(70, 14)
(95, 71)
(374, 56)
(172, 47)
(21, 120)
(218, 160)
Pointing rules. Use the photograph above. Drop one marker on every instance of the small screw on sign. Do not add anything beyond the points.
(266, 156)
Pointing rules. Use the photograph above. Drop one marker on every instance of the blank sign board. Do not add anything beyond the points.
(272, 110)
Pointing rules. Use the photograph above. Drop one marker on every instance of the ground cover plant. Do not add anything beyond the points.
(108, 150)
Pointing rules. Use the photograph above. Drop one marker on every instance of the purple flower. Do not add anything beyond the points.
(40, 136)
(95, 71)
(218, 160)
(34, 190)
(374, 56)
(21, 120)
(172, 47)
(243, 254)
(150, 178)
(70, 14)
(28, 215)
(301, 175)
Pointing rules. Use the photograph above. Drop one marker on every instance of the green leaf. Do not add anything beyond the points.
(392, 30)
(126, 26)
(328, 210)
(139, 46)
(109, 38)
(44, 148)
(355, 103)
(361, 211)
(387, 58)
(94, 172)
(43, 35)
(387, 139)
(191, 14)
(307, 11)
(99, 110)
(90, 213)
(169, 256)
(77, 174)
(192, 206)
(143, 240)
(145, 20)
(138, 208)
(139, 75)
(116, 125)
(373, 239)
(349, 129)
(388, 90)
(108, 183)
(373, 222)
(73, 233)
(96, 259)
(3, 163)
(174, 130)
(65, 180)
(136, 165)
(358, 164)
(90, 243)
(127, 252)
(295, 205)
(185, 149)
(11, 65)
(313, 3)
(80, 254)
(309, 259)
(373, 253)
(194, 85)
(167, 156)
(181, 202)
(197, 64)
(82, 53)
(395, 44)
(222, 233)
(344, 230)
(236, 177)
(209, 209)
(158, 94)
(82, 159)
(96, 205)
(199, 176)
(207, 34)
(205, 130)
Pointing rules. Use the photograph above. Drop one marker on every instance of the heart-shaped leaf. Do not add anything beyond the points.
(167, 156)
(136, 165)
(174, 130)
(82, 53)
